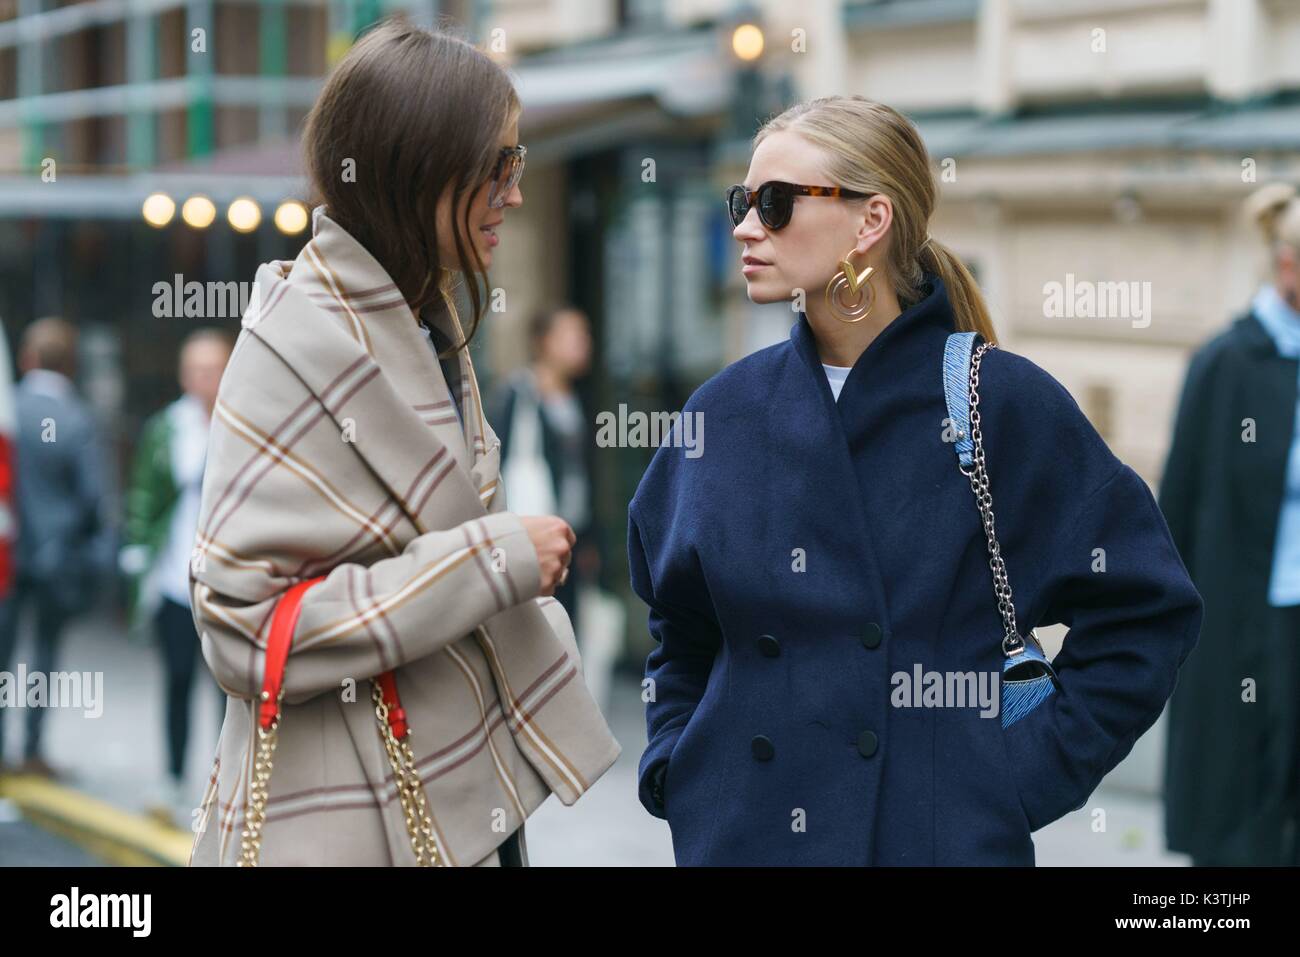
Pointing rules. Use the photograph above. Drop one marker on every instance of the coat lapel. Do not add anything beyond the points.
(340, 324)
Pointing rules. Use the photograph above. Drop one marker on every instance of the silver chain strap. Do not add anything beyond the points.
(1012, 643)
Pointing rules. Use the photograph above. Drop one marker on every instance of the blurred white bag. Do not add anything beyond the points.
(600, 623)
(530, 489)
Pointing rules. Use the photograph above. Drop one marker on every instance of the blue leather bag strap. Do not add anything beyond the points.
(956, 390)
(1028, 678)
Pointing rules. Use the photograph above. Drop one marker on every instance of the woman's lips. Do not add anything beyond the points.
(752, 265)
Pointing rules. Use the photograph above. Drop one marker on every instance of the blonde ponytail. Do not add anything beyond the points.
(970, 312)
(875, 149)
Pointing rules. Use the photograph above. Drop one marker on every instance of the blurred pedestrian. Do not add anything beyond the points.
(162, 514)
(62, 526)
(1231, 495)
(548, 466)
(547, 440)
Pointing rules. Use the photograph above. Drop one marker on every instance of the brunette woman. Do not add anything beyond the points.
(432, 698)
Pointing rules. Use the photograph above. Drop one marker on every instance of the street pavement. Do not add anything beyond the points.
(120, 757)
(24, 844)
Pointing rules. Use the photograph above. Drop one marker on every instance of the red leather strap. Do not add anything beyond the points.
(396, 714)
(283, 621)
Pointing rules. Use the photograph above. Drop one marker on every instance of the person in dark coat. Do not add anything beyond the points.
(816, 547)
(1231, 496)
(65, 537)
(547, 445)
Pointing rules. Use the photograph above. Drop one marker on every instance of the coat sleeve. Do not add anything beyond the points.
(97, 534)
(149, 496)
(362, 619)
(682, 622)
(1113, 575)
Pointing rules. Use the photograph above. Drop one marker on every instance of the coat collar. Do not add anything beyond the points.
(1255, 337)
(930, 316)
(338, 321)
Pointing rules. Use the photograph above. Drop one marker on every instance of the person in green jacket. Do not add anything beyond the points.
(162, 505)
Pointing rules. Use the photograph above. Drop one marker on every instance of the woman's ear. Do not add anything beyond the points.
(877, 217)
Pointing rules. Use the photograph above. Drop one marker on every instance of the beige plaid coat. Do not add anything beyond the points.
(335, 450)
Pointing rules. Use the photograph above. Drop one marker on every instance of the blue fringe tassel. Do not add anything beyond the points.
(1019, 698)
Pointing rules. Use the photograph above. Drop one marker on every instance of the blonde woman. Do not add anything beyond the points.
(347, 451)
(1231, 494)
(825, 687)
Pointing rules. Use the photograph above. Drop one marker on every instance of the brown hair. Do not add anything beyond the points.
(418, 112)
(51, 343)
(875, 149)
(543, 320)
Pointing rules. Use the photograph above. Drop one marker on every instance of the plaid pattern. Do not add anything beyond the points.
(335, 451)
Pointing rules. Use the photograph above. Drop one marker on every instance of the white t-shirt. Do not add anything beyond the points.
(836, 375)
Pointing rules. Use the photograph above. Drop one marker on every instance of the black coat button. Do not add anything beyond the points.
(762, 747)
(867, 743)
(871, 635)
(769, 646)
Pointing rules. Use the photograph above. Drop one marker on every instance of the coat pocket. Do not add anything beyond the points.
(1009, 774)
(1025, 743)
(693, 778)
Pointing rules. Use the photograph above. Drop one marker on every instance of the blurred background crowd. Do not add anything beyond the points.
(148, 144)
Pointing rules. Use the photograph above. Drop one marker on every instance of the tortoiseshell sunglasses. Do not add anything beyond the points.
(506, 174)
(776, 200)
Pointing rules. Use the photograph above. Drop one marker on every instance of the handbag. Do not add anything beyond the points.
(1028, 678)
(393, 729)
(530, 487)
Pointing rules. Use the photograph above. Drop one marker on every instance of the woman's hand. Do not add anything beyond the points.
(553, 539)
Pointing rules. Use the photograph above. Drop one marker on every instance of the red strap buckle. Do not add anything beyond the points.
(283, 622)
(396, 713)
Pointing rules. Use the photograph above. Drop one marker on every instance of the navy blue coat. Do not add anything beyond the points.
(769, 689)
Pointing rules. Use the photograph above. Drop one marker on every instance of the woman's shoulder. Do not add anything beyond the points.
(1027, 411)
(1229, 346)
(1009, 378)
(257, 380)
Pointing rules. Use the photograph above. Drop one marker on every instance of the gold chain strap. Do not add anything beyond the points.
(410, 789)
(250, 845)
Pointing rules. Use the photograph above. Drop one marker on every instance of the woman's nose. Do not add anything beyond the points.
(749, 228)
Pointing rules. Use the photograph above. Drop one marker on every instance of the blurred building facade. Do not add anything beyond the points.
(1095, 141)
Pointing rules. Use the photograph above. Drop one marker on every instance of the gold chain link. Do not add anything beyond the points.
(410, 789)
(250, 845)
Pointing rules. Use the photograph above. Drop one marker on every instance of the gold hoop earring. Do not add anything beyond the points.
(858, 285)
